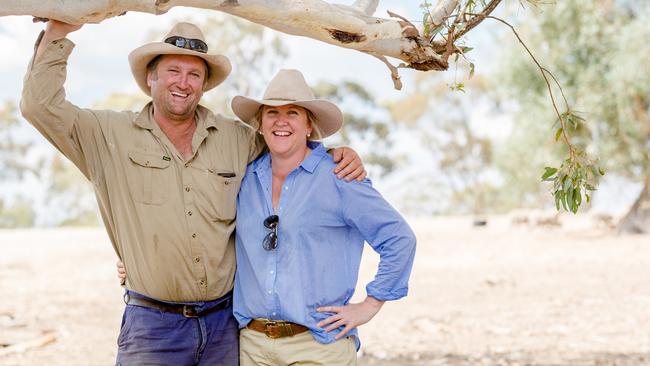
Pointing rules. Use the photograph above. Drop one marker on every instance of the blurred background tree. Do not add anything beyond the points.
(455, 161)
(14, 166)
(69, 198)
(367, 128)
(599, 51)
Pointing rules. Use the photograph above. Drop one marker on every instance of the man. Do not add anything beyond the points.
(166, 181)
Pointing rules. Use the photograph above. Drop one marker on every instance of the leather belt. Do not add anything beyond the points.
(188, 311)
(276, 328)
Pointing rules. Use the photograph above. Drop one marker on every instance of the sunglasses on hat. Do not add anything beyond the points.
(188, 43)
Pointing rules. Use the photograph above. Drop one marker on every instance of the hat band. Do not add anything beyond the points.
(282, 99)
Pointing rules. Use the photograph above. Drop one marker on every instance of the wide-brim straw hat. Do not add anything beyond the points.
(290, 87)
(218, 65)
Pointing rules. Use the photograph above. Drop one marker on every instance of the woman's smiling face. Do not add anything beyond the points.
(285, 129)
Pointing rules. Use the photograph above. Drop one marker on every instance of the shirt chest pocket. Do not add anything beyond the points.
(149, 177)
(225, 186)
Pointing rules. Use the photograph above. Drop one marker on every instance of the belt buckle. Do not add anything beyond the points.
(189, 311)
(267, 330)
(283, 329)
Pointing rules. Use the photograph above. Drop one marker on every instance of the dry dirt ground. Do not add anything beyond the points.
(494, 295)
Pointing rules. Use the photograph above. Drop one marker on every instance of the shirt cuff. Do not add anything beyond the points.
(384, 295)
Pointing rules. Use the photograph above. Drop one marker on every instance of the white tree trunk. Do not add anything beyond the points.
(637, 220)
(341, 25)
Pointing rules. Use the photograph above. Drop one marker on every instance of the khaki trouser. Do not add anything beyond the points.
(255, 348)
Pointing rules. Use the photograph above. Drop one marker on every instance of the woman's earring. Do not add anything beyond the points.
(308, 134)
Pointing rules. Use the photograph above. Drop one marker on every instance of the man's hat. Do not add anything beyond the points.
(290, 87)
(182, 39)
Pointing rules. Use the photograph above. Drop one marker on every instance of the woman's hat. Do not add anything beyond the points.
(290, 87)
(182, 39)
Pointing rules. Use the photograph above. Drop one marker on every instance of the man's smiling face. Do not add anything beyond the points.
(177, 85)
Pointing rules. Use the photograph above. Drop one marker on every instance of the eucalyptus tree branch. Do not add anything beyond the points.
(397, 83)
(548, 84)
(442, 12)
(478, 18)
(566, 103)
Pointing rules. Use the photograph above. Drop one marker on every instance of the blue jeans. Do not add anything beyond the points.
(152, 337)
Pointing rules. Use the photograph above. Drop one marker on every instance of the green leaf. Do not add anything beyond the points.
(601, 171)
(563, 200)
(549, 172)
(568, 184)
(558, 134)
(577, 199)
(471, 69)
(427, 25)
(457, 87)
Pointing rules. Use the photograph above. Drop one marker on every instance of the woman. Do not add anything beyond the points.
(300, 235)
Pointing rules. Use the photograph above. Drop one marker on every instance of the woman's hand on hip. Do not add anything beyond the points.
(350, 316)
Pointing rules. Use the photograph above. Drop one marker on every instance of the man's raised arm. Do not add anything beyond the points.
(43, 101)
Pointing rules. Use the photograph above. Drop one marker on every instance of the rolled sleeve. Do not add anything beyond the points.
(386, 232)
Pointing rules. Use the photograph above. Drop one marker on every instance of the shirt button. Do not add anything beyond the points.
(197, 259)
(194, 235)
(274, 313)
(269, 291)
(146, 163)
(202, 282)
(189, 213)
(187, 164)
(187, 189)
(285, 188)
(271, 272)
(226, 182)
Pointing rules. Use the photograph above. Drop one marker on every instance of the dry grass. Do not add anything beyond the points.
(496, 295)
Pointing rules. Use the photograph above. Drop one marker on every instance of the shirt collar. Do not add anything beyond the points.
(204, 118)
(317, 153)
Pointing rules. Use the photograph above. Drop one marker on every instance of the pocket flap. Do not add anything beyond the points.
(149, 160)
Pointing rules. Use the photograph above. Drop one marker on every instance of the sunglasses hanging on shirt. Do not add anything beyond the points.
(271, 239)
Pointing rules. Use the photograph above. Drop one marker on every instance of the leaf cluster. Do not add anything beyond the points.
(573, 180)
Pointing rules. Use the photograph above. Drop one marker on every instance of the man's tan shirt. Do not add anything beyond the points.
(171, 221)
